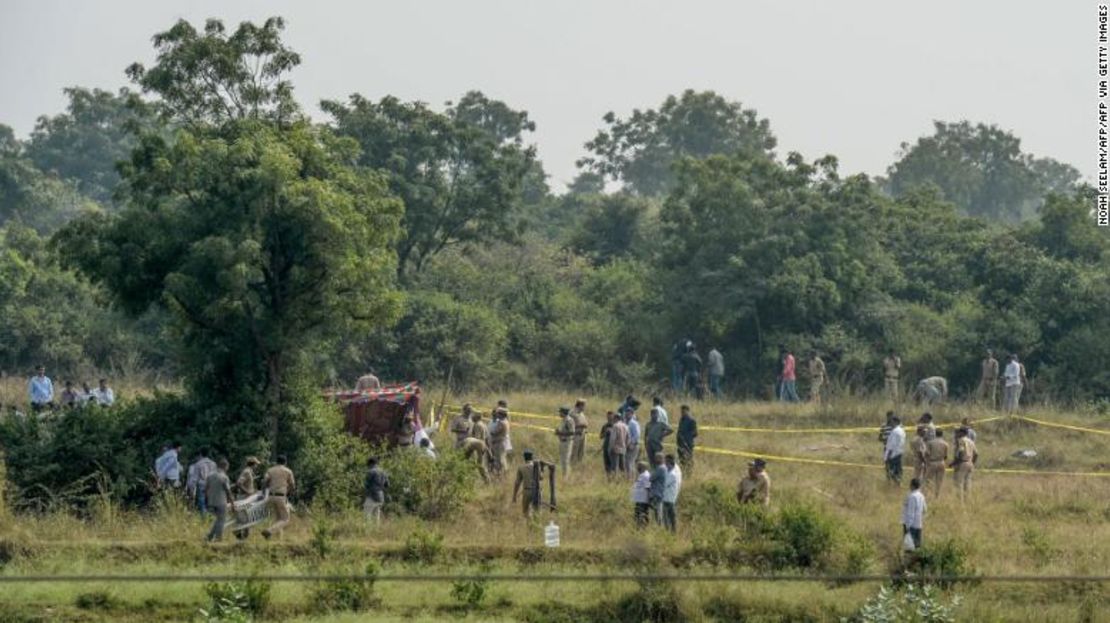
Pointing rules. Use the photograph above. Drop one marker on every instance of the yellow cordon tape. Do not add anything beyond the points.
(1067, 426)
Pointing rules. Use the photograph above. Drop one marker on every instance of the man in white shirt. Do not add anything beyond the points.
(103, 394)
(913, 513)
(670, 493)
(41, 391)
(892, 451)
(715, 366)
(168, 467)
(657, 404)
(1014, 377)
(640, 500)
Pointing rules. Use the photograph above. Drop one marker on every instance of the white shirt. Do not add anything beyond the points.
(640, 488)
(913, 510)
(895, 443)
(167, 466)
(673, 485)
(198, 473)
(663, 417)
(1013, 374)
(104, 397)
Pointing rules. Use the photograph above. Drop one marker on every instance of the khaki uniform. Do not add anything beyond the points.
(565, 433)
(892, 367)
(965, 464)
(917, 449)
(460, 427)
(479, 431)
(988, 381)
(580, 425)
(936, 455)
(817, 378)
(497, 446)
(755, 490)
(526, 482)
(245, 482)
(280, 483)
(478, 451)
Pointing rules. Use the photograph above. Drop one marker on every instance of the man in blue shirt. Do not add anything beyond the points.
(632, 454)
(41, 389)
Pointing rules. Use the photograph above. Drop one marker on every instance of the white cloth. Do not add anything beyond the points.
(673, 485)
(895, 443)
(167, 467)
(913, 510)
(198, 473)
(640, 488)
(104, 397)
(1012, 374)
(663, 416)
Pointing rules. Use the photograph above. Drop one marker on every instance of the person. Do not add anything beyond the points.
(641, 495)
(70, 396)
(526, 480)
(498, 441)
(670, 494)
(687, 433)
(168, 467)
(618, 445)
(604, 434)
(279, 484)
(461, 425)
(892, 451)
(375, 486)
(103, 394)
(884, 430)
(988, 379)
(197, 476)
(817, 376)
(917, 453)
(217, 493)
(913, 513)
(478, 428)
(964, 465)
(691, 370)
(632, 454)
(789, 389)
(936, 455)
(715, 366)
(87, 395)
(654, 433)
(966, 423)
(926, 422)
(426, 449)
(656, 486)
(678, 349)
(368, 382)
(406, 430)
(581, 424)
(755, 488)
(245, 482)
(892, 370)
(477, 450)
(41, 390)
(1014, 379)
(932, 390)
(565, 432)
(657, 404)
(630, 403)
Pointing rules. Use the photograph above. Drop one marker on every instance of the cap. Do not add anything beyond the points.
(528, 454)
(758, 464)
(564, 410)
(253, 460)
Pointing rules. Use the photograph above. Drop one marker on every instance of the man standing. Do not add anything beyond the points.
(581, 424)
(565, 433)
(279, 484)
(966, 424)
(197, 476)
(461, 425)
(604, 434)
(884, 430)
(926, 422)
(657, 484)
(988, 379)
(964, 465)
(1014, 379)
(526, 480)
(641, 495)
(932, 390)
(368, 382)
(168, 467)
(618, 445)
(691, 368)
(715, 366)
(817, 377)
(678, 349)
(41, 390)
(70, 396)
(687, 433)
(892, 451)
(670, 494)
(917, 452)
(217, 492)
(478, 428)
(913, 513)
(245, 482)
(632, 454)
(789, 389)
(892, 369)
(375, 486)
(657, 404)
(654, 433)
(104, 395)
(936, 455)
(498, 441)
(756, 487)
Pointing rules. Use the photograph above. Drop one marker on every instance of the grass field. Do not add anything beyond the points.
(1013, 524)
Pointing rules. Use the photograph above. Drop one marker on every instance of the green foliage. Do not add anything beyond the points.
(96, 600)
(30, 197)
(914, 603)
(946, 558)
(429, 489)
(653, 602)
(251, 597)
(348, 595)
(804, 536)
(423, 546)
(471, 592)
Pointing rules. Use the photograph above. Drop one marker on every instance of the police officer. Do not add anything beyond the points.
(461, 425)
(565, 433)
(526, 481)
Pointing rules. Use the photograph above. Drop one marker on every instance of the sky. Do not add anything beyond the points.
(853, 78)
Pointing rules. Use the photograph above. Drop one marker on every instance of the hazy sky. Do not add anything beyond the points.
(853, 78)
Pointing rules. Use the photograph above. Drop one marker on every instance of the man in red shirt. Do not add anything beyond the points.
(788, 391)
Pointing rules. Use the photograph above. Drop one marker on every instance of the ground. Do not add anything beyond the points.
(1013, 524)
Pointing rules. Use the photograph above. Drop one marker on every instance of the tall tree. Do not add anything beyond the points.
(640, 151)
(31, 197)
(459, 173)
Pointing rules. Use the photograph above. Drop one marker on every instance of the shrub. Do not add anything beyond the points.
(912, 604)
(471, 592)
(713, 504)
(251, 597)
(348, 594)
(654, 602)
(96, 600)
(803, 535)
(429, 489)
(423, 546)
(947, 558)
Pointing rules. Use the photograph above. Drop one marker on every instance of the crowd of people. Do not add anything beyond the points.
(42, 397)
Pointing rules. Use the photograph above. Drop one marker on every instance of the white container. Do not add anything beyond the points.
(551, 535)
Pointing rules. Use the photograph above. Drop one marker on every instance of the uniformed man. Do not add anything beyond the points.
(756, 487)
(817, 376)
(964, 465)
(498, 441)
(578, 454)
(478, 428)
(477, 450)
(461, 425)
(245, 482)
(936, 454)
(526, 480)
(280, 484)
(917, 451)
(988, 379)
(565, 432)
(892, 369)
(218, 496)
(932, 390)
(926, 422)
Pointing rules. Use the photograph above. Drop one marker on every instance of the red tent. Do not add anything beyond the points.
(378, 416)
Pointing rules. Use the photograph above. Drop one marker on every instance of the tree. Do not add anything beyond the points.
(85, 143)
(981, 169)
(613, 227)
(459, 173)
(641, 150)
(31, 197)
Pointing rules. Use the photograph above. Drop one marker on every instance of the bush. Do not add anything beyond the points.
(804, 536)
(654, 602)
(423, 546)
(912, 604)
(96, 600)
(353, 594)
(713, 504)
(947, 558)
(471, 592)
(426, 488)
(251, 597)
